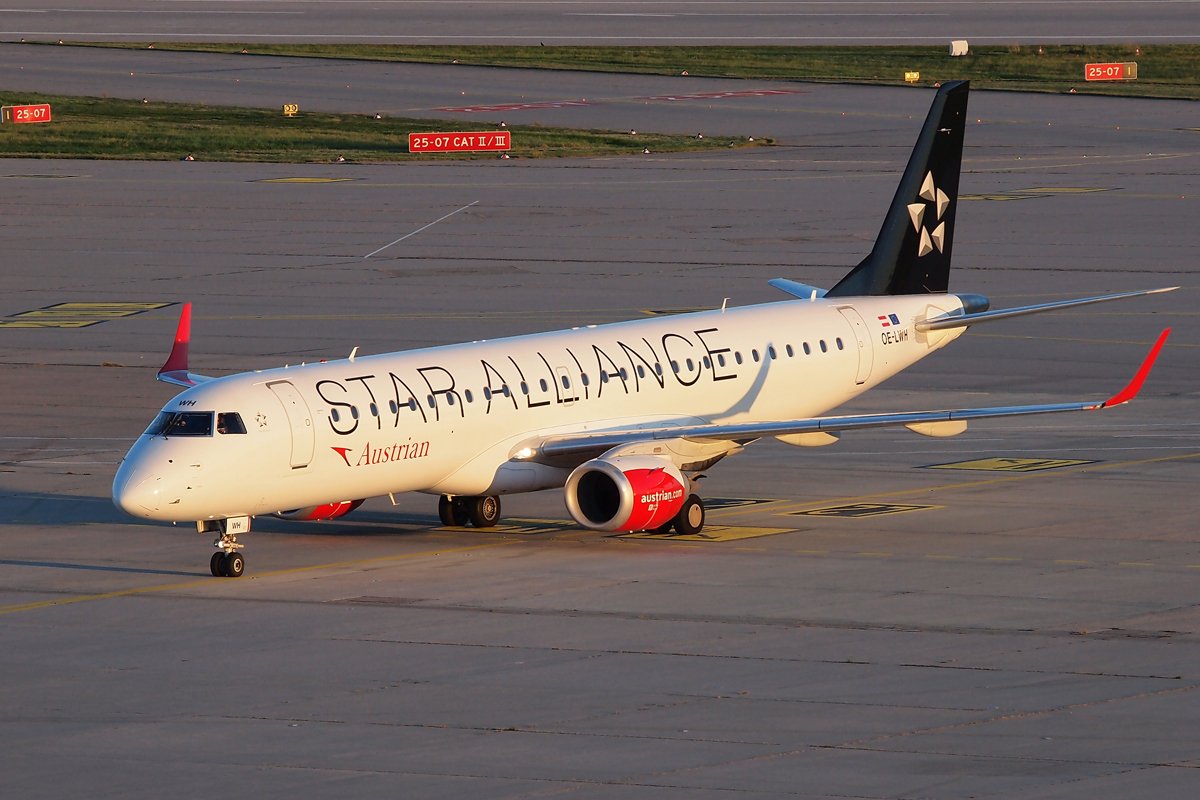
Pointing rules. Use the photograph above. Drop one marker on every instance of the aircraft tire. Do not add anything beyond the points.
(690, 519)
(216, 564)
(452, 511)
(484, 512)
(234, 565)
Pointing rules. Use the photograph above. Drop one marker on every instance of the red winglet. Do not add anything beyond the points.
(177, 362)
(1134, 386)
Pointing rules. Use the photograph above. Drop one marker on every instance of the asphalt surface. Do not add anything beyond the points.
(621, 22)
(989, 633)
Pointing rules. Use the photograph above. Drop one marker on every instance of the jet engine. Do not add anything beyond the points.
(327, 511)
(625, 493)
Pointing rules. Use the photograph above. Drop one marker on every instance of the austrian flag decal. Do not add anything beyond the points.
(888, 320)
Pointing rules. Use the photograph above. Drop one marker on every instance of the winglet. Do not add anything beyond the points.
(1135, 385)
(178, 360)
(176, 369)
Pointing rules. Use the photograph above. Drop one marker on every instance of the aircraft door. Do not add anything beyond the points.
(866, 356)
(300, 421)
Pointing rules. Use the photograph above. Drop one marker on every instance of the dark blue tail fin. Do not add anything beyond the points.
(912, 253)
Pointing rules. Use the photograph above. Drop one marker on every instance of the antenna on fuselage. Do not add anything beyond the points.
(353, 353)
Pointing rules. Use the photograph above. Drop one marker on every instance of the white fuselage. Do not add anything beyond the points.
(448, 420)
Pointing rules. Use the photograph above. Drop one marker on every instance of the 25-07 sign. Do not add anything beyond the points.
(24, 114)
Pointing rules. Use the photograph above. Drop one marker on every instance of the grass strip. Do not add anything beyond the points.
(102, 128)
(1164, 70)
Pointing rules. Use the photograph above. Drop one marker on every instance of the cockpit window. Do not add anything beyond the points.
(230, 422)
(182, 423)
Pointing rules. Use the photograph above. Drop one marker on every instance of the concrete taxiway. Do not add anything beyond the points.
(534, 22)
(1011, 613)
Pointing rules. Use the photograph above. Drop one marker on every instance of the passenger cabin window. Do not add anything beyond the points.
(182, 423)
(230, 422)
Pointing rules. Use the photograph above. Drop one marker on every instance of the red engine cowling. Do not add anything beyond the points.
(625, 493)
(327, 511)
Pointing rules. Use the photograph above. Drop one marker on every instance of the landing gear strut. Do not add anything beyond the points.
(227, 562)
(482, 512)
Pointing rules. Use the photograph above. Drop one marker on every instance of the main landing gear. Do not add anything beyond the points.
(689, 520)
(227, 562)
(482, 512)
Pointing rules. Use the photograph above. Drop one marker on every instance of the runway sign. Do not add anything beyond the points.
(1126, 71)
(460, 142)
(24, 114)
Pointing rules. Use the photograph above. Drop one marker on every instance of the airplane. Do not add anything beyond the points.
(624, 417)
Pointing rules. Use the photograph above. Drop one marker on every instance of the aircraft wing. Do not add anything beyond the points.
(965, 320)
(566, 446)
(176, 369)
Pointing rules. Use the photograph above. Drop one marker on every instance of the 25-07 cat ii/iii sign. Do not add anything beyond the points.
(459, 141)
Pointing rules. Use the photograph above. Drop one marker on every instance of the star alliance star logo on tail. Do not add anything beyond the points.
(935, 237)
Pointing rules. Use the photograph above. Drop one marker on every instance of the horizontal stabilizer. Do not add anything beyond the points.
(797, 289)
(963, 320)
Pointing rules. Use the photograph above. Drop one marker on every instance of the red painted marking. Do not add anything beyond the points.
(25, 114)
(723, 95)
(519, 106)
(575, 103)
(459, 141)
(1134, 386)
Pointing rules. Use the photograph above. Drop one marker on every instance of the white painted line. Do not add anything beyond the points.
(418, 230)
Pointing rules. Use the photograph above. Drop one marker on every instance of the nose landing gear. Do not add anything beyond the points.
(227, 562)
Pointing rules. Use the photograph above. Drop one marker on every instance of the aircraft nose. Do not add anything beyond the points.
(135, 492)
